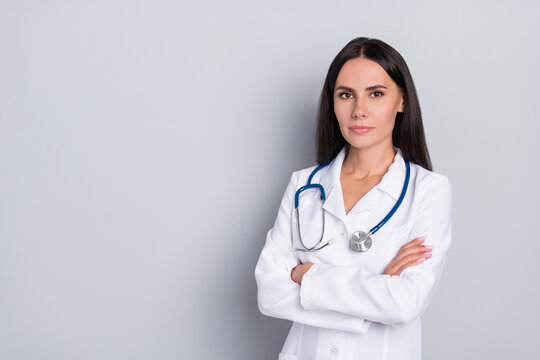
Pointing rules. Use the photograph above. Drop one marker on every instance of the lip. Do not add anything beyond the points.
(360, 129)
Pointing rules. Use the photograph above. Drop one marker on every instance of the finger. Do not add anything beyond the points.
(390, 271)
(416, 250)
(414, 242)
(408, 265)
(293, 273)
(404, 255)
(412, 262)
(398, 271)
(414, 257)
(408, 258)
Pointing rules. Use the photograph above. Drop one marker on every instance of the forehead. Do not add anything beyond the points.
(360, 72)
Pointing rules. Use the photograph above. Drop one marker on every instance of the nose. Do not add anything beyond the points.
(359, 109)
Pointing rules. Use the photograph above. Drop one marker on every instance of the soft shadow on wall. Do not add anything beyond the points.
(293, 149)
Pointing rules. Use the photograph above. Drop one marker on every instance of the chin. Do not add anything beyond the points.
(367, 144)
(363, 144)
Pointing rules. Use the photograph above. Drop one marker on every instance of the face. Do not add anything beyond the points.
(366, 101)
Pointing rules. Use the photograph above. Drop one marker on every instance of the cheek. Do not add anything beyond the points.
(341, 114)
(386, 116)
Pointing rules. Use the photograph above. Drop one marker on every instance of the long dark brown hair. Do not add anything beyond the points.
(408, 132)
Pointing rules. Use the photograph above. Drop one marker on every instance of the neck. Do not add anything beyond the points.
(373, 161)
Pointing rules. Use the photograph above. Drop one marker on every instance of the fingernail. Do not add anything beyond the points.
(421, 238)
(420, 260)
(428, 253)
(428, 246)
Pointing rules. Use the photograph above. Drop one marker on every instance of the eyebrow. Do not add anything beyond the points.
(372, 87)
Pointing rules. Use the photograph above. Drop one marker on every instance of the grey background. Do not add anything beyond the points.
(145, 146)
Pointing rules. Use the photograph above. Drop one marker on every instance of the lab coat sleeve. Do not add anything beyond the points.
(277, 294)
(393, 300)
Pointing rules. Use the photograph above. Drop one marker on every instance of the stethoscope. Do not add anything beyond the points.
(360, 241)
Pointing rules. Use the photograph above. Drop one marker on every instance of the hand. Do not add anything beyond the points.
(410, 254)
(298, 272)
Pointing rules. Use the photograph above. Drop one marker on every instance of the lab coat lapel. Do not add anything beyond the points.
(332, 185)
(391, 184)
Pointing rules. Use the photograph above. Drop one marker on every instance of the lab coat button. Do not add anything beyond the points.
(333, 350)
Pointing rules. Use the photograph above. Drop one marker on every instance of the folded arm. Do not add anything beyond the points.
(382, 298)
(279, 296)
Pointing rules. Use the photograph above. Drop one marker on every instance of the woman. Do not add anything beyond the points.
(351, 297)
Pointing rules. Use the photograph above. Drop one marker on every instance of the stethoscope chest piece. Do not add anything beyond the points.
(360, 241)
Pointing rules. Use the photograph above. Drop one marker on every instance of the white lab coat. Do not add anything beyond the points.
(346, 308)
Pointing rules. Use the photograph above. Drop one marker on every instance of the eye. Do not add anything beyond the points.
(377, 92)
(345, 95)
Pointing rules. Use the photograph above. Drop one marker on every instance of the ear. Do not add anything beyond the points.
(402, 105)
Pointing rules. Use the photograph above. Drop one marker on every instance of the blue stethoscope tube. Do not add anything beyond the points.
(360, 237)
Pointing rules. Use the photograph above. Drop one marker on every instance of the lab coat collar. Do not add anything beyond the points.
(391, 184)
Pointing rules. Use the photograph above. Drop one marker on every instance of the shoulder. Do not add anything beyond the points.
(430, 183)
(300, 177)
